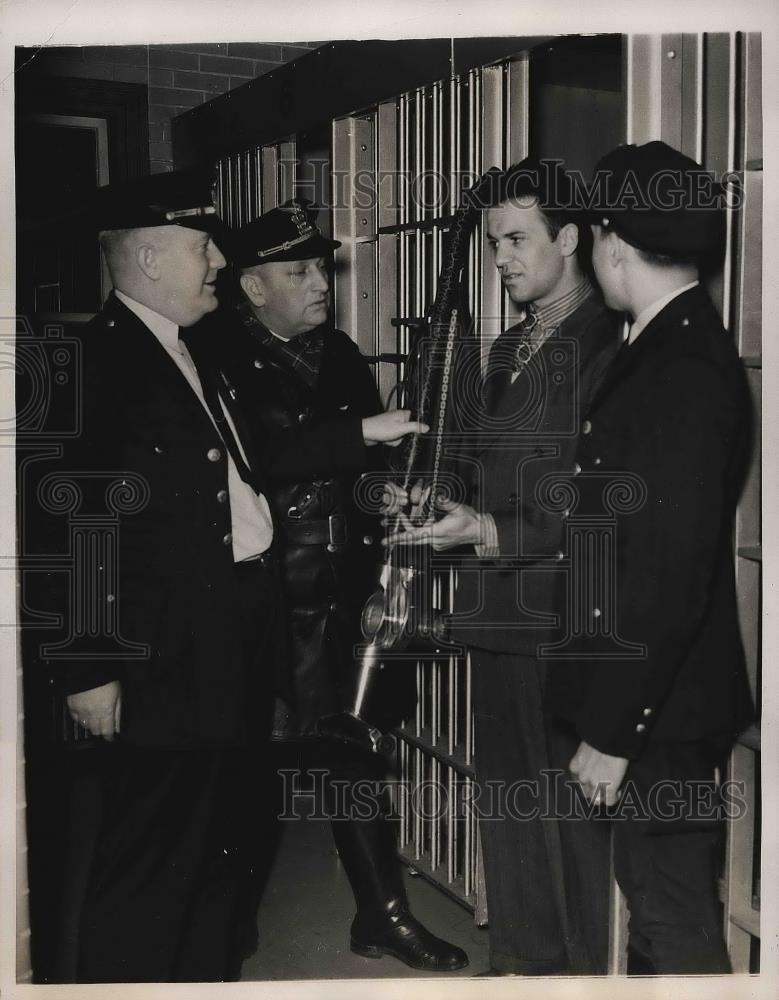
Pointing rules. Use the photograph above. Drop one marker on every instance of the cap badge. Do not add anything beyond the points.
(299, 218)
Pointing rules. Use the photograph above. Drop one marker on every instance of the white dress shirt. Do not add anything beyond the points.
(252, 527)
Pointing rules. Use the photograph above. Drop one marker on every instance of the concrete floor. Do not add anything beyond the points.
(307, 908)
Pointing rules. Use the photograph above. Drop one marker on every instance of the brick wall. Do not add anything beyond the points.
(179, 77)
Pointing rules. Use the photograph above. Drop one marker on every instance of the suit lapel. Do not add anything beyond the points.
(148, 361)
(577, 326)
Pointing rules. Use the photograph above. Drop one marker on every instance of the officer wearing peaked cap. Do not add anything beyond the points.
(315, 413)
(671, 415)
(186, 695)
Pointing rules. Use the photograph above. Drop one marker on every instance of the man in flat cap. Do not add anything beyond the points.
(665, 442)
(315, 413)
(185, 698)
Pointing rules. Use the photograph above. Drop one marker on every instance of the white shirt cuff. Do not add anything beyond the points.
(489, 547)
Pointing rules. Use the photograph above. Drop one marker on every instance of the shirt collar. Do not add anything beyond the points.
(646, 316)
(164, 329)
(551, 315)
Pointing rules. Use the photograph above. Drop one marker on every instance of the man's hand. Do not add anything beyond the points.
(599, 774)
(98, 709)
(462, 525)
(391, 427)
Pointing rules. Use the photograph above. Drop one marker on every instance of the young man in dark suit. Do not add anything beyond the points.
(316, 416)
(186, 601)
(547, 909)
(672, 417)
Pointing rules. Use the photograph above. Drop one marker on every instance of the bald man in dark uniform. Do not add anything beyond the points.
(195, 594)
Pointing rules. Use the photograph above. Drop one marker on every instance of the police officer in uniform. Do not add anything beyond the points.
(672, 415)
(315, 414)
(184, 702)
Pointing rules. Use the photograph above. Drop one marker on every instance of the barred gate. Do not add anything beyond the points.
(412, 157)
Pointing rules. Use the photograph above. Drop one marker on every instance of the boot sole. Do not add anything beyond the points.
(378, 951)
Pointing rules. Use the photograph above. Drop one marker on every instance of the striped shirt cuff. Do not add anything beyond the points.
(489, 547)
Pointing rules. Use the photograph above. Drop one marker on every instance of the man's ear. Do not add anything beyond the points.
(618, 250)
(613, 245)
(251, 285)
(568, 239)
(148, 260)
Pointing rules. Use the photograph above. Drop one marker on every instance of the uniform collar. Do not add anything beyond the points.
(646, 316)
(164, 329)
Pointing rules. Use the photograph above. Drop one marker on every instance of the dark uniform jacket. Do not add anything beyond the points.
(312, 448)
(673, 415)
(145, 431)
(528, 434)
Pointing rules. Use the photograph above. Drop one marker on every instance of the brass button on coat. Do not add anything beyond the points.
(222, 496)
(227, 540)
(213, 454)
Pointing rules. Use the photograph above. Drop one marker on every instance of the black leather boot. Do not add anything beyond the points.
(383, 924)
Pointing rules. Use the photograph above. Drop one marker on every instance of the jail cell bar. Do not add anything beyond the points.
(409, 160)
(254, 181)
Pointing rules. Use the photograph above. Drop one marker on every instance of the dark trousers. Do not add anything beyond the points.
(666, 861)
(170, 885)
(547, 877)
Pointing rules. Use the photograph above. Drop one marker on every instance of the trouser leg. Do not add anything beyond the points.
(167, 875)
(586, 853)
(669, 882)
(667, 868)
(522, 880)
(178, 849)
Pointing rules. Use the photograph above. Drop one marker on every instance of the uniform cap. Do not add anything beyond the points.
(178, 198)
(659, 200)
(285, 233)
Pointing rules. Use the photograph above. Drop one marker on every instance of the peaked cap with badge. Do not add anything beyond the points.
(286, 233)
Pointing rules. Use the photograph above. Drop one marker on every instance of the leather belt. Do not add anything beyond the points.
(324, 531)
(264, 561)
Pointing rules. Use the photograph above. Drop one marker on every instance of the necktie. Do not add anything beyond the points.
(509, 355)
